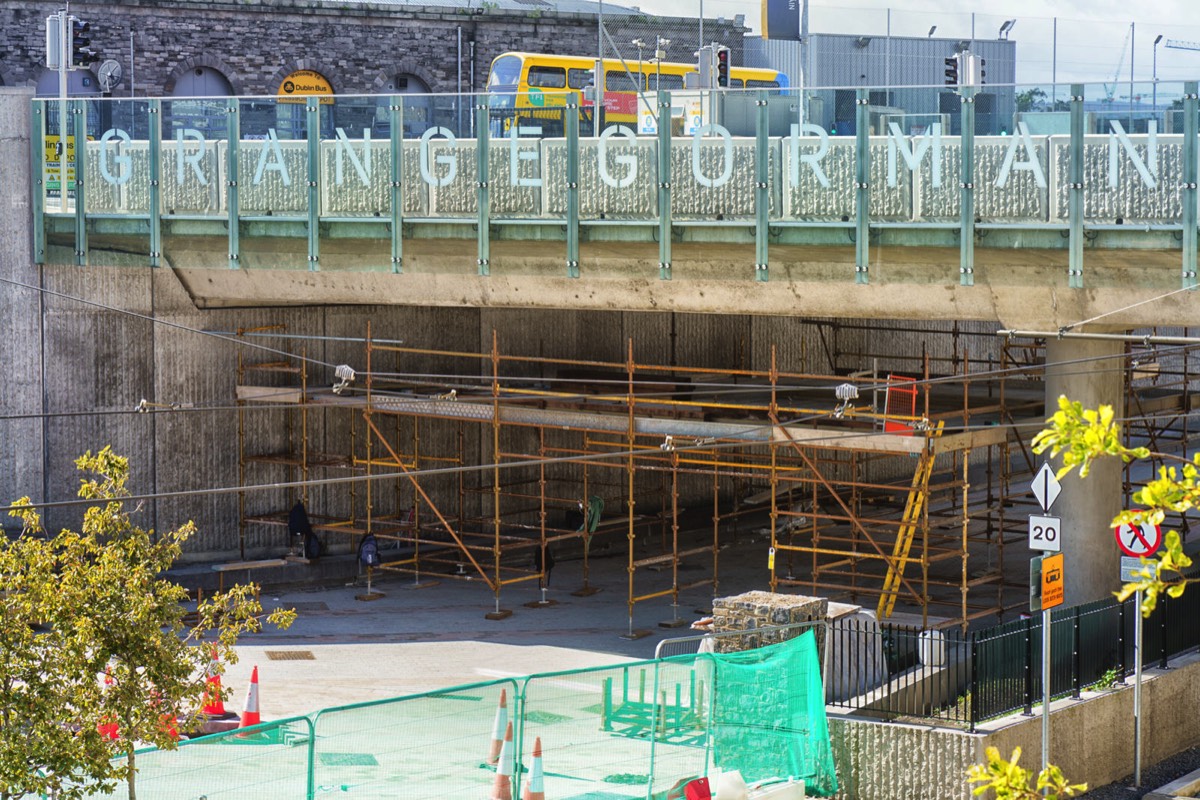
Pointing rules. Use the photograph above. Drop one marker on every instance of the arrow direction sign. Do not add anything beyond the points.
(1046, 487)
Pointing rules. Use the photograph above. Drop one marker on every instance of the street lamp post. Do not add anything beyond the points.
(1154, 62)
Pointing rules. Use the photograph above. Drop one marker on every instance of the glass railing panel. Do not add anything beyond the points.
(192, 165)
(356, 159)
(117, 162)
(517, 174)
(59, 158)
(273, 157)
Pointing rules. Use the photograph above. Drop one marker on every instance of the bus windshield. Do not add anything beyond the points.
(506, 73)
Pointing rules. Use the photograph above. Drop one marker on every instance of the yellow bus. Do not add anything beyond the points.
(535, 86)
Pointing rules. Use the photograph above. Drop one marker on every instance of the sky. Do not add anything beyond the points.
(1094, 39)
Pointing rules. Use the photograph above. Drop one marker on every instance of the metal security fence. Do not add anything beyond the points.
(1090, 644)
(623, 732)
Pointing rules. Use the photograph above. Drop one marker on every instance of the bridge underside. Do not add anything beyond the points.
(1016, 288)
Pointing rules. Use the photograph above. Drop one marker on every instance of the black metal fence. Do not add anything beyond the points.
(946, 677)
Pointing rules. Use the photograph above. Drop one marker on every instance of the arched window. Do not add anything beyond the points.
(418, 111)
(194, 104)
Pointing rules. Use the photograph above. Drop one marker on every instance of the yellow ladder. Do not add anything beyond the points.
(914, 507)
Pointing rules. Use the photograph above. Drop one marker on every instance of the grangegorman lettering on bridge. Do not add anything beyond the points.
(440, 151)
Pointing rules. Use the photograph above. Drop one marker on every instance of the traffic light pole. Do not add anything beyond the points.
(64, 66)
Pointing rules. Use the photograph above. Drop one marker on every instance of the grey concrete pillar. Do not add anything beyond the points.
(1090, 372)
(21, 440)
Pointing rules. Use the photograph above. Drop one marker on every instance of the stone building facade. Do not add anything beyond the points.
(178, 47)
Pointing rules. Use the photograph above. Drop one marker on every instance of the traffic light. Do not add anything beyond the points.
(723, 67)
(53, 42)
(704, 66)
(952, 71)
(81, 36)
(982, 71)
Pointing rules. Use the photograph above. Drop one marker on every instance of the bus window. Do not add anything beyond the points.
(753, 84)
(579, 78)
(506, 72)
(736, 83)
(546, 77)
(621, 81)
(665, 82)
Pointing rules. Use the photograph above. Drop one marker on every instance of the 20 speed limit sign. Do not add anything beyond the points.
(1045, 533)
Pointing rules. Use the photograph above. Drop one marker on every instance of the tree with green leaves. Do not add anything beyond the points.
(94, 636)
(1033, 99)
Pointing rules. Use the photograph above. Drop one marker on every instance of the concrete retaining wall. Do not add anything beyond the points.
(1091, 740)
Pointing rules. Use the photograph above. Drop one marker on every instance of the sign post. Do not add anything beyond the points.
(1045, 534)
(1137, 542)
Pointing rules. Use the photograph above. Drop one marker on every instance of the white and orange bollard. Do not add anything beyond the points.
(502, 785)
(251, 715)
(498, 728)
(535, 787)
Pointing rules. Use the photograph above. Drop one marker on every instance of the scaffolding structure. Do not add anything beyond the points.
(492, 472)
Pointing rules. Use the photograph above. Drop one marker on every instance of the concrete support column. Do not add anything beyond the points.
(1090, 372)
(21, 440)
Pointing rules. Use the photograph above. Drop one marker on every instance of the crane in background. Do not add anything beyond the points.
(1109, 89)
(1179, 44)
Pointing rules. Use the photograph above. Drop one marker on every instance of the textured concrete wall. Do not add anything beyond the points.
(893, 761)
(20, 320)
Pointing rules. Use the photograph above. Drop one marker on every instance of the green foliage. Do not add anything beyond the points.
(1010, 781)
(1031, 100)
(78, 605)
(1108, 679)
(1081, 436)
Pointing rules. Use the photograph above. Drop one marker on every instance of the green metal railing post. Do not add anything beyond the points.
(234, 135)
(1075, 191)
(311, 782)
(862, 189)
(154, 113)
(312, 111)
(664, 185)
(1189, 183)
(762, 197)
(37, 151)
(572, 129)
(966, 243)
(79, 118)
(396, 146)
(481, 191)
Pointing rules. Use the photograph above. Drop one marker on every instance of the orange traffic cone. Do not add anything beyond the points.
(498, 728)
(107, 727)
(214, 705)
(251, 716)
(502, 786)
(535, 787)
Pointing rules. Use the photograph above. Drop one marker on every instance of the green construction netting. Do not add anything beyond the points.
(769, 715)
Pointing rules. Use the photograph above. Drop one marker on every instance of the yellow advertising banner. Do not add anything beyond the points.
(53, 161)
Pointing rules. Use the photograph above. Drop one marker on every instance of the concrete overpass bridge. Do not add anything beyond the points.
(1034, 232)
(1051, 235)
